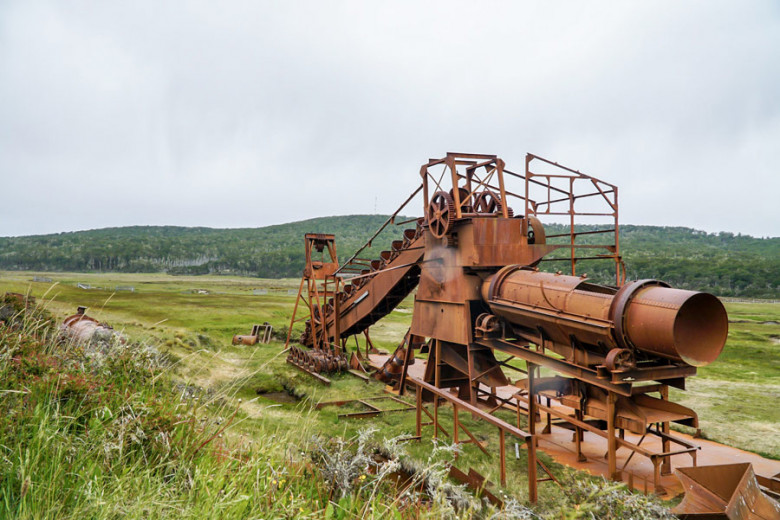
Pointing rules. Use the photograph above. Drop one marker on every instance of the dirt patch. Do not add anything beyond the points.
(775, 339)
(280, 397)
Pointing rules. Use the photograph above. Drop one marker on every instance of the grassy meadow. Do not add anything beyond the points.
(737, 396)
(265, 402)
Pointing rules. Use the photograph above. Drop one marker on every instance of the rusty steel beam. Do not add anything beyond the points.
(559, 365)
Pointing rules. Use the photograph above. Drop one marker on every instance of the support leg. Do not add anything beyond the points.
(578, 434)
(472, 375)
(295, 310)
(548, 424)
(532, 482)
(456, 421)
(611, 440)
(502, 460)
(437, 384)
(419, 412)
(666, 445)
(531, 399)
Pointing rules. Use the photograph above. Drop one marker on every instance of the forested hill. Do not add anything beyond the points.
(724, 263)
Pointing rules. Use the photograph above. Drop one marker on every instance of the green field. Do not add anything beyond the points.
(736, 396)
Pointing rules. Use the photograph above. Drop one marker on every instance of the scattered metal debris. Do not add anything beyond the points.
(477, 483)
(82, 328)
(372, 409)
(260, 334)
(728, 491)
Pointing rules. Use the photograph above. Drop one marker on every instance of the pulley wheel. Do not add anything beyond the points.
(487, 202)
(618, 358)
(441, 214)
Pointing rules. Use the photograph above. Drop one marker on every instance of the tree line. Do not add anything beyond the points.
(723, 263)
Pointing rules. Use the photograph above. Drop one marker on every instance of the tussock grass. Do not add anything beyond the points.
(102, 430)
(257, 457)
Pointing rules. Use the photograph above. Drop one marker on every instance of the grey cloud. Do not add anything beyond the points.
(255, 113)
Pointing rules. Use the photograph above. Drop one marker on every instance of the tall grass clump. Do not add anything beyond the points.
(594, 498)
(367, 478)
(106, 430)
(103, 430)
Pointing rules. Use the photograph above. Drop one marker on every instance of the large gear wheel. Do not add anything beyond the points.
(464, 198)
(441, 214)
(489, 202)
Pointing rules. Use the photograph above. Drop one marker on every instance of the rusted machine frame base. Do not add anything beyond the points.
(595, 377)
(322, 379)
(526, 353)
(359, 375)
(473, 222)
(503, 428)
(373, 410)
(657, 459)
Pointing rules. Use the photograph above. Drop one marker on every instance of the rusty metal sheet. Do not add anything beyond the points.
(729, 490)
(82, 328)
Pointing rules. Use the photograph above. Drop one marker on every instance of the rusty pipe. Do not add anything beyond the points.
(239, 339)
(645, 315)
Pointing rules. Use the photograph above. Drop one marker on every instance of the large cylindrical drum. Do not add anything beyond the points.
(677, 324)
(646, 315)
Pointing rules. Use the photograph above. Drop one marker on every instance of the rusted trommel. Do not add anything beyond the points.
(646, 315)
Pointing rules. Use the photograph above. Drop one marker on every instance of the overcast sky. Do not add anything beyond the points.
(246, 114)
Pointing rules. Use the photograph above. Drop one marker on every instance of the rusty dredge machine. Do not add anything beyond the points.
(486, 300)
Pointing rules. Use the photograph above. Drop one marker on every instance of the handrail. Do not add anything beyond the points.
(382, 227)
(495, 421)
